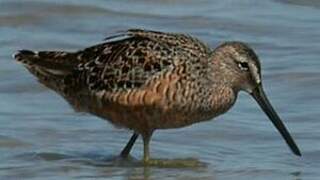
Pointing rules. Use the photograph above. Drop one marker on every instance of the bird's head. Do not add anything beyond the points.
(239, 65)
(236, 65)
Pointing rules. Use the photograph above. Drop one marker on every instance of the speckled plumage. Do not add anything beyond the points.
(142, 80)
(147, 80)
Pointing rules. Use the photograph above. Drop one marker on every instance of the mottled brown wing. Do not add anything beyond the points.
(184, 42)
(129, 62)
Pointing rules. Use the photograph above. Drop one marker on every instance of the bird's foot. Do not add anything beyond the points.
(125, 158)
(175, 163)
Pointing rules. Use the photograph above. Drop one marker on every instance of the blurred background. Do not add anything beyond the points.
(41, 137)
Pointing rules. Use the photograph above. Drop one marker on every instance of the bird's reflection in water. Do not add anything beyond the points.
(97, 165)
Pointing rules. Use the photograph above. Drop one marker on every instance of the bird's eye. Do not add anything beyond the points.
(243, 66)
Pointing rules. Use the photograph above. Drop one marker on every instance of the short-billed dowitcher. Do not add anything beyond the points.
(147, 80)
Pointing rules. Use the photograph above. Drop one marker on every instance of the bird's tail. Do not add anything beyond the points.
(52, 63)
(52, 68)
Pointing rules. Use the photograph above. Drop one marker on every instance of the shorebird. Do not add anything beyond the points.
(146, 80)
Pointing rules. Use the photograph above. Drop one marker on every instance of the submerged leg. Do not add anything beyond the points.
(147, 161)
(126, 150)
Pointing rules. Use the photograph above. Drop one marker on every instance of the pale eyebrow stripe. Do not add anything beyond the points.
(255, 74)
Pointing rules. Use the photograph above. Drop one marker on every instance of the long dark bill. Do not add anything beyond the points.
(264, 103)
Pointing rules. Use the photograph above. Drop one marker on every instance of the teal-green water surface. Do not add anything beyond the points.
(41, 137)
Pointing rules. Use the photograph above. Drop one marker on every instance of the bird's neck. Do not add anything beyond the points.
(222, 99)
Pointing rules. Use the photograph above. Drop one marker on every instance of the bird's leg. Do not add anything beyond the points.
(146, 152)
(126, 150)
(147, 161)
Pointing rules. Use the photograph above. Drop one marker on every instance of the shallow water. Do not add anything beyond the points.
(41, 137)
